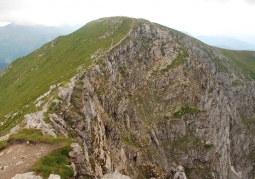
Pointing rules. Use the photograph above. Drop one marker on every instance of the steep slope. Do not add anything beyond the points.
(142, 99)
(55, 62)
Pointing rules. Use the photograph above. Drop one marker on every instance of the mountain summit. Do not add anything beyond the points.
(128, 98)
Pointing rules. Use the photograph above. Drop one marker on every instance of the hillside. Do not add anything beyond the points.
(128, 95)
(18, 40)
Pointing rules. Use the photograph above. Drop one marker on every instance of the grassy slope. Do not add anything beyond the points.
(243, 59)
(32, 76)
(55, 162)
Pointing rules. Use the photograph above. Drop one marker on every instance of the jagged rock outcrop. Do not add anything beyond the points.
(156, 101)
(158, 104)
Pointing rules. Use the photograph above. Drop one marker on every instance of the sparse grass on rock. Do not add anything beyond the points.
(56, 162)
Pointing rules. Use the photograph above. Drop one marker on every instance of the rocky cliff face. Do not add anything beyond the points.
(158, 101)
(154, 103)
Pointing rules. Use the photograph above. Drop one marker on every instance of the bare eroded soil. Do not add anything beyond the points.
(19, 158)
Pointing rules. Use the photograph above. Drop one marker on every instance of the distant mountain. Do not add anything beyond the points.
(247, 38)
(17, 41)
(226, 42)
(68, 28)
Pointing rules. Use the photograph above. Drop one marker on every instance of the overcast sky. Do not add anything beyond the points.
(209, 17)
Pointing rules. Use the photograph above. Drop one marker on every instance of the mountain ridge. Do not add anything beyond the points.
(138, 98)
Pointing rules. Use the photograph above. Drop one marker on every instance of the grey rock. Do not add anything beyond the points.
(52, 176)
(139, 115)
(115, 175)
(28, 175)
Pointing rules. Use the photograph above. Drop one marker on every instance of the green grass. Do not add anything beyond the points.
(245, 60)
(248, 124)
(32, 76)
(208, 146)
(2, 144)
(35, 135)
(55, 163)
(180, 59)
(185, 110)
(187, 141)
(219, 63)
(236, 83)
(123, 72)
(127, 141)
(187, 172)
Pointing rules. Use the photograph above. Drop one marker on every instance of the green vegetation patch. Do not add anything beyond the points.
(249, 124)
(180, 59)
(236, 83)
(185, 110)
(31, 76)
(187, 141)
(2, 144)
(208, 146)
(56, 162)
(219, 63)
(127, 141)
(123, 72)
(245, 60)
(36, 136)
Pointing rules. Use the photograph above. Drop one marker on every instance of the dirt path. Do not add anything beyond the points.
(113, 46)
(130, 30)
(18, 158)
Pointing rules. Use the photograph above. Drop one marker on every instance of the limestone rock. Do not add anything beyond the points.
(32, 175)
(52, 176)
(65, 93)
(35, 120)
(180, 173)
(135, 106)
(28, 175)
(115, 175)
(77, 158)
